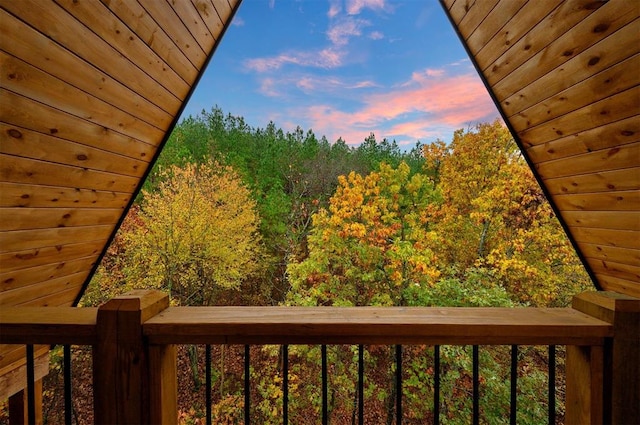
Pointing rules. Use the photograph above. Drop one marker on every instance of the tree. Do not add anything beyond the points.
(370, 245)
(199, 235)
(494, 215)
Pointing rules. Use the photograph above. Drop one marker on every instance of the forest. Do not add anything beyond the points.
(236, 215)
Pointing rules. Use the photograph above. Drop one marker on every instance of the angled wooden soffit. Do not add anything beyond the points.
(565, 75)
(89, 93)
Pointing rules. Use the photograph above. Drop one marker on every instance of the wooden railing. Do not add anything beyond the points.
(134, 338)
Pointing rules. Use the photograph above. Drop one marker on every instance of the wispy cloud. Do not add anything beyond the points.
(327, 58)
(429, 104)
(376, 35)
(343, 29)
(334, 8)
(237, 21)
(354, 7)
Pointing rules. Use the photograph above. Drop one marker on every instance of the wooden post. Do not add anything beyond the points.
(132, 381)
(621, 357)
(18, 412)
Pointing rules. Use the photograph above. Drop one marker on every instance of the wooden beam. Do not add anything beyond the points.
(50, 325)
(127, 376)
(374, 325)
(621, 357)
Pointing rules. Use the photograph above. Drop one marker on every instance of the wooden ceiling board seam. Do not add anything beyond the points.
(24, 112)
(517, 28)
(618, 270)
(25, 294)
(597, 183)
(544, 33)
(202, 69)
(619, 157)
(194, 23)
(106, 25)
(56, 299)
(23, 142)
(459, 8)
(475, 15)
(30, 258)
(20, 240)
(139, 21)
(166, 18)
(30, 82)
(519, 143)
(610, 109)
(494, 23)
(603, 201)
(619, 220)
(20, 218)
(44, 53)
(621, 238)
(606, 136)
(19, 278)
(209, 16)
(562, 98)
(619, 285)
(223, 9)
(63, 28)
(40, 173)
(608, 253)
(588, 32)
(25, 195)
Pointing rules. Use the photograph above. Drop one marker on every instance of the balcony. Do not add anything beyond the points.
(134, 337)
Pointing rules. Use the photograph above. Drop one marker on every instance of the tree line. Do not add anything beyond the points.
(236, 215)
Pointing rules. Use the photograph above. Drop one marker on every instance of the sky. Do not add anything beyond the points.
(345, 68)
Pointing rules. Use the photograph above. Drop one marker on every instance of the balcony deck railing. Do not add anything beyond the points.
(134, 338)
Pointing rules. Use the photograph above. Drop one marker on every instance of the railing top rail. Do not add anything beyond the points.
(375, 325)
(48, 325)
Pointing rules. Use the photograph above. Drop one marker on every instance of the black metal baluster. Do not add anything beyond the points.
(360, 384)
(399, 384)
(325, 392)
(436, 385)
(476, 386)
(67, 385)
(514, 384)
(285, 384)
(31, 390)
(552, 385)
(247, 385)
(208, 382)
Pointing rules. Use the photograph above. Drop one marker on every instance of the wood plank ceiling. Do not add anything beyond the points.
(88, 92)
(566, 77)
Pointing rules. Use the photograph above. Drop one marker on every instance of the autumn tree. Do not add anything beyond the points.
(494, 216)
(370, 245)
(198, 235)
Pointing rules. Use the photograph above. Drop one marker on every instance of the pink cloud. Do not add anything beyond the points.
(355, 6)
(376, 35)
(340, 32)
(334, 9)
(431, 105)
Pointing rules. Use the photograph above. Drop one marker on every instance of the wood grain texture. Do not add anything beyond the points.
(63, 28)
(587, 32)
(609, 181)
(45, 54)
(47, 256)
(300, 325)
(25, 277)
(608, 136)
(136, 17)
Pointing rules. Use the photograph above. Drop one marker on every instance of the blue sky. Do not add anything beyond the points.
(346, 68)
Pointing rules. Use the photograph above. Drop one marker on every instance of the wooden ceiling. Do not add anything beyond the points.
(90, 89)
(88, 93)
(566, 77)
